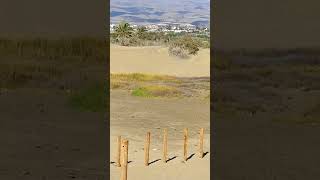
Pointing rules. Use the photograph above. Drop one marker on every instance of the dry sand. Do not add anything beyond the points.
(156, 60)
(132, 117)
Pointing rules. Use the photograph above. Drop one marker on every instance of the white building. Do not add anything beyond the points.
(152, 27)
(134, 26)
(112, 27)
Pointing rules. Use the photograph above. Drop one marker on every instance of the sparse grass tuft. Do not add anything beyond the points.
(17, 75)
(92, 99)
(222, 62)
(156, 91)
(118, 84)
(298, 119)
(142, 77)
(264, 72)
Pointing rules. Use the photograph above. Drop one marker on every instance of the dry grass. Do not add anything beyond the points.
(16, 75)
(134, 80)
(118, 84)
(129, 77)
(149, 85)
(83, 48)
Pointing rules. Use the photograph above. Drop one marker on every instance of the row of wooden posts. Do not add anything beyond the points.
(122, 151)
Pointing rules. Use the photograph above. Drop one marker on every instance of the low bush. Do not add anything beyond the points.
(92, 99)
(178, 52)
(156, 91)
(221, 62)
(184, 47)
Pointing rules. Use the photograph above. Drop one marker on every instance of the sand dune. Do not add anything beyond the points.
(156, 60)
(134, 118)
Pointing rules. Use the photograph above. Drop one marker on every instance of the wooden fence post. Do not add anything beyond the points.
(118, 158)
(165, 145)
(201, 142)
(185, 144)
(147, 149)
(124, 164)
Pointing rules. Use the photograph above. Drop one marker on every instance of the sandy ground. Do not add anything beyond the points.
(258, 139)
(42, 137)
(156, 60)
(132, 117)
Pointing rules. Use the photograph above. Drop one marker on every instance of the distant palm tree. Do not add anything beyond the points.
(123, 32)
(141, 32)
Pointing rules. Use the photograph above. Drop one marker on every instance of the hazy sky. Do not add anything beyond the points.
(237, 23)
(154, 11)
(52, 16)
(266, 23)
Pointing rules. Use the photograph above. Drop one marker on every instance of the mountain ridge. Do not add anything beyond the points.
(195, 12)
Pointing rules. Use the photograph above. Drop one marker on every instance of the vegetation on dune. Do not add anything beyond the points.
(274, 88)
(221, 62)
(17, 75)
(271, 52)
(184, 46)
(310, 117)
(142, 77)
(84, 48)
(51, 63)
(125, 81)
(141, 32)
(125, 36)
(156, 91)
(146, 85)
(92, 99)
(116, 84)
(123, 33)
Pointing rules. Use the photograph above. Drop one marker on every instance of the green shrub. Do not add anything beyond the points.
(92, 99)
(156, 91)
(221, 62)
(184, 46)
(178, 51)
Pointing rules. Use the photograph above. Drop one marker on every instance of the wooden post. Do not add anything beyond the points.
(147, 149)
(165, 145)
(201, 142)
(185, 144)
(118, 157)
(124, 164)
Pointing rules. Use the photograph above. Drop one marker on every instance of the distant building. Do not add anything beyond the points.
(112, 27)
(152, 28)
(134, 26)
(168, 27)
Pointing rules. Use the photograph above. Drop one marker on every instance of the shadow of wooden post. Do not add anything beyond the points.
(118, 157)
(147, 149)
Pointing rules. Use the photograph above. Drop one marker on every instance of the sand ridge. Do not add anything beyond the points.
(156, 60)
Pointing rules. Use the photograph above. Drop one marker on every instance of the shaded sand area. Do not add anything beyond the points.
(175, 98)
(156, 60)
